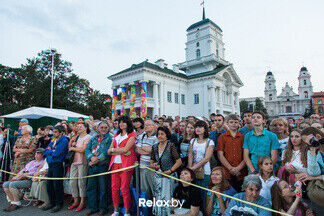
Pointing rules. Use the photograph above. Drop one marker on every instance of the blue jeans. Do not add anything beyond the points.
(55, 187)
(203, 183)
(98, 189)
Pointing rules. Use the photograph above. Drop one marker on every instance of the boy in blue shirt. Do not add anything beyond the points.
(259, 142)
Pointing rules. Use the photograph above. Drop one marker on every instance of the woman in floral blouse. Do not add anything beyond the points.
(24, 149)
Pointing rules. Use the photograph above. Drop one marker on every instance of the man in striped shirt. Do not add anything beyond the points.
(144, 145)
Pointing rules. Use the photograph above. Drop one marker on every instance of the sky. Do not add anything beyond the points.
(101, 38)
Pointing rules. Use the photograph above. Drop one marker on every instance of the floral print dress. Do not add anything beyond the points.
(22, 159)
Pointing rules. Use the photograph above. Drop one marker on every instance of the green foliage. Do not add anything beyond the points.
(310, 110)
(260, 107)
(30, 85)
(244, 107)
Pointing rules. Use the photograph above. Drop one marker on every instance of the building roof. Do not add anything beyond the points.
(318, 94)
(303, 69)
(147, 64)
(269, 73)
(202, 22)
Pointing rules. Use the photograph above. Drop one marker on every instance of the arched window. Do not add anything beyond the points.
(306, 94)
(305, 82)
(198, 53)
(320, 110)
(270, 97)
(197, 44)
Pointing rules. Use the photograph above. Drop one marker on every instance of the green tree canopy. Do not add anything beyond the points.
(30, 85)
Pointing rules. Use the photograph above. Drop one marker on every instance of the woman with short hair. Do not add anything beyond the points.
(281, 128)
(24, 149)
(252, 186)
(164, 158)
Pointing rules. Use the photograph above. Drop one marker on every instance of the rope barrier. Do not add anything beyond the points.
(73, 178)
(148, 168)
(206, 189)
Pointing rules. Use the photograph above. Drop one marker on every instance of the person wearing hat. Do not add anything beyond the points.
(20, 181)
(55, 154)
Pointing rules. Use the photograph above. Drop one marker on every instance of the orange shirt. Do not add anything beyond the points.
(233, 150)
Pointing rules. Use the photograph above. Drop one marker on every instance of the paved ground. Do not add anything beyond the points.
(34, 211)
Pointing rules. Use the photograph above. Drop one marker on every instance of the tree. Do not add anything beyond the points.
(260, 107)
(244, 107)
(310, 110)
(30, 85)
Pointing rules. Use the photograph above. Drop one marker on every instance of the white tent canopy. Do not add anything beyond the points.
(39, 112)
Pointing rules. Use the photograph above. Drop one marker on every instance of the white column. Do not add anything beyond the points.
(205, 101)
(162, 100)
(212, 99)
(232, 102)
(221, 100)
(156, 99)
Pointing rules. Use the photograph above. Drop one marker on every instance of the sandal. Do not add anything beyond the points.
(43, 205)
(80, 208)
(37, 203)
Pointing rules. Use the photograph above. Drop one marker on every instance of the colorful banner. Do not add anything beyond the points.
(113, 106)
(132, 111)
(143, 99)
(123, 101)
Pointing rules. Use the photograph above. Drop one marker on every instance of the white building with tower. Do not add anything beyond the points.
(203, 84)
(288, 103)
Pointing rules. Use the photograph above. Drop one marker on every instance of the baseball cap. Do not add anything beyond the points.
(24, 120)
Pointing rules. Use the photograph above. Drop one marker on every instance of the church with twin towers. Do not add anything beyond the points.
(204, 83)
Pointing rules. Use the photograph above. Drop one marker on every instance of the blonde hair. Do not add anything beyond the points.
(283, 121)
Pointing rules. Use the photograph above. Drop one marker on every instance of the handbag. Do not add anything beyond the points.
(69, 158)
(200, 172)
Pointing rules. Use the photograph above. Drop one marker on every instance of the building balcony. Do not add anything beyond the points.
(150, 103)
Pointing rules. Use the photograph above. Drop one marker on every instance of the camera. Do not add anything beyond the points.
(314, 142)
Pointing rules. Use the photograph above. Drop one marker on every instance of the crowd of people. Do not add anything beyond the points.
(278, 164)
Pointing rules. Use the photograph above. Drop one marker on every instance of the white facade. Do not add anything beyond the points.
(205, 83)
(288, 103)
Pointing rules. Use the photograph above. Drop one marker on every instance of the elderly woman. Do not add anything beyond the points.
(23, 149)
(252, 186)
(21, 181)
(164, 158)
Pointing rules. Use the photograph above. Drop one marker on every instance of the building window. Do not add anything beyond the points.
(183, 99)
(270, 97)
(304, 82)
(197, 44)
(196, 99)
(198, 53)
(217, 52)
(169, 96)
(176, 97)
(288, 109)
(320, 110)
(306, 94)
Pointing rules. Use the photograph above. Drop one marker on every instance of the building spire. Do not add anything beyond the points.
(203, 4)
